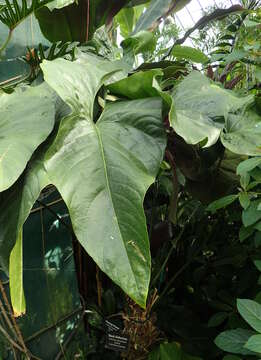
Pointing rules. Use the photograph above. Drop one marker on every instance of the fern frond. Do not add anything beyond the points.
(12, 13)
(35, 56)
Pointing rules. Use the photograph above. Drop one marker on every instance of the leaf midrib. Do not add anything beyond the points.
(110, 195)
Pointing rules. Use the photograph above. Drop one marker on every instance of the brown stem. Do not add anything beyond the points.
(87, 20)
(42, 331)
(10, 340)
(70, 338)
(99, 286)
(7, 320)
(174, 196)
(16, 327)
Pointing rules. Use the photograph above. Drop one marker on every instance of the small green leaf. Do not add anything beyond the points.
(235, 55)
(231, 357)
(59, 4)
(221, 203)
(170, 351)
(257, 239)
(248, 165)
(258, 226)
(252, 185)
(217, 319)
(244, 180)
(254, 343)
(258, 264)
(251, 312)
(258, 74)
(251, 215)
(233, 341)
(245, 232)
(189, 53)
(257, 298)
(244, 200)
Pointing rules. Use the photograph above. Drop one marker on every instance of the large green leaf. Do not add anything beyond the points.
(78, 21)
(222, 203)
(156, 10)
(202, 109)
(248, 165)
(16, 277)
(189, 53)
(141, 85)
(17, 201)
(251, 312)
(251, 215)
(243, 132)
(234, 341)
(26, 119)
(114, 174)
(125, 20)
(15, 206)
(140, 43)
(102, 172)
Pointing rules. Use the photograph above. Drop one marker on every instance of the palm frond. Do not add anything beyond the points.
(35, 56)
(12, 13)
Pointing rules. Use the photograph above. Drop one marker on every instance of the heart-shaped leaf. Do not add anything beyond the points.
(114, 171)
(203, 110)
(102, 171)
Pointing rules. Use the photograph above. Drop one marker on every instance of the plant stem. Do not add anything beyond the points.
(99, 286)
(173, 246)
(174, 197)
(16, 327)
(7, 320)
(168, 256)
(6, 41)
(10, 340)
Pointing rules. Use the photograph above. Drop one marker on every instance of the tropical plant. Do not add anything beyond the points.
(114, 129)
(243, 341)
